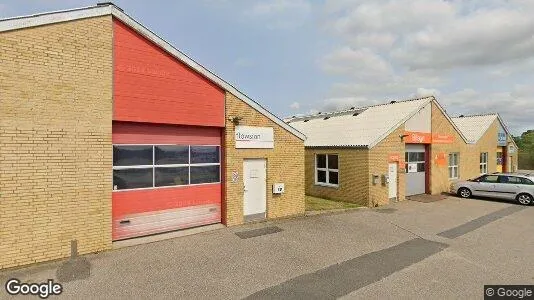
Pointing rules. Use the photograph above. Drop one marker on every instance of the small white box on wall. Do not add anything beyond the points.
(278, 188)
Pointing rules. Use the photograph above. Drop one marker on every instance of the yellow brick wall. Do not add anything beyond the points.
(55, 140)
(358, 165)
(353, 174)
(469, 153)
(285, 164)
(379, 165)
(439, 175)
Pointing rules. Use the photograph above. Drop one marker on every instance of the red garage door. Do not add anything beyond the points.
(165, 177)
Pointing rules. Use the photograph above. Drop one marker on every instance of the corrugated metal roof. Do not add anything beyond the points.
(474, 127)
(359, 127)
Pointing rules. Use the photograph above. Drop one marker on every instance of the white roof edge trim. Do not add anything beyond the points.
(102, 10)
(380, 138)
(53, 17)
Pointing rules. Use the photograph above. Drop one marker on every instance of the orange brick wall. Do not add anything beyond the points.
(55, 140)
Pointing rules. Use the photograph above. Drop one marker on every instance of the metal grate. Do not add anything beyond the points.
(258, 232)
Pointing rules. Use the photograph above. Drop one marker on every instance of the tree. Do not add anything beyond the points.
(526, 149)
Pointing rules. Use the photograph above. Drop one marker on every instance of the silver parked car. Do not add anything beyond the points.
(510, 186)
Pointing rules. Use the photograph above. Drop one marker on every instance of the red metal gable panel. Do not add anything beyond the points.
(151, 86)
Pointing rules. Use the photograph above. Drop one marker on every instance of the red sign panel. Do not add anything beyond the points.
(412, 137)
(440, 159)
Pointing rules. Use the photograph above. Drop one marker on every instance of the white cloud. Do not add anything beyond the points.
(424, 92)
(396, 86)
(294, 105)
(482, 38)
(356, 63)
(477, 55)
(514, 107)
(389, 16)
(381, 41)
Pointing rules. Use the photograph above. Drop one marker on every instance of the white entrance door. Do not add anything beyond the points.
(415, 169)
(392, 178)
(255, 189)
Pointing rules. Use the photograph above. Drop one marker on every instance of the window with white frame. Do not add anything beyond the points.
(453, 165)
(484, 163)
(326, 169)
(153, 166)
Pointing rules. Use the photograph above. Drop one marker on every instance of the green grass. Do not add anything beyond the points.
(314, 203)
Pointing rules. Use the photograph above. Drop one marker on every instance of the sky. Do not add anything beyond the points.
(303, 56)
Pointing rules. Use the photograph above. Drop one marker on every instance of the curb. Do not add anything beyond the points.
(331, 211)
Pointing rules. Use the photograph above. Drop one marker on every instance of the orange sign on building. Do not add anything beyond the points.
(412, 137)
(440, 159)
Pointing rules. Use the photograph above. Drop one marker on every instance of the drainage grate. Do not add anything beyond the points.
(258, 232)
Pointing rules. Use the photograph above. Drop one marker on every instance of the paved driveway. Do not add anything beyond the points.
(444, 249)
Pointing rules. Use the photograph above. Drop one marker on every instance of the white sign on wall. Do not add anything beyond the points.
(254, 137)
(412, 168)
(511, 149)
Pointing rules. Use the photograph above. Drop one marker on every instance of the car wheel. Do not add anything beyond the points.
(525, 199)
(464, 193)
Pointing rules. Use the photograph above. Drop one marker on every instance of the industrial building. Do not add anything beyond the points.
(382, 153)
(108, 132)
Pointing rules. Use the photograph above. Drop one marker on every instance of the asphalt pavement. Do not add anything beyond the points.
(409, 250)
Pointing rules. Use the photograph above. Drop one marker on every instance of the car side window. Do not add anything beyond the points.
(490, 179)
(510, 179)
(526, 181)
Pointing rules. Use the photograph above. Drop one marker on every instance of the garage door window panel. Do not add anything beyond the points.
(171, 155)
(132, 155)
(170, 176)
(327, 170)
(205, 174)
(204, 154)
(155, 166)
(134, 178)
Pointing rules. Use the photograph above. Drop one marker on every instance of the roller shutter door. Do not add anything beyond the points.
(165, 178)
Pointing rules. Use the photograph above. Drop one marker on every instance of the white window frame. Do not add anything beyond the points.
(484, 162)
(456, 166)
(327, 170)
(153, 166)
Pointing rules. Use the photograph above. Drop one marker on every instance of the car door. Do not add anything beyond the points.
(507, 187)
(485, 186)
